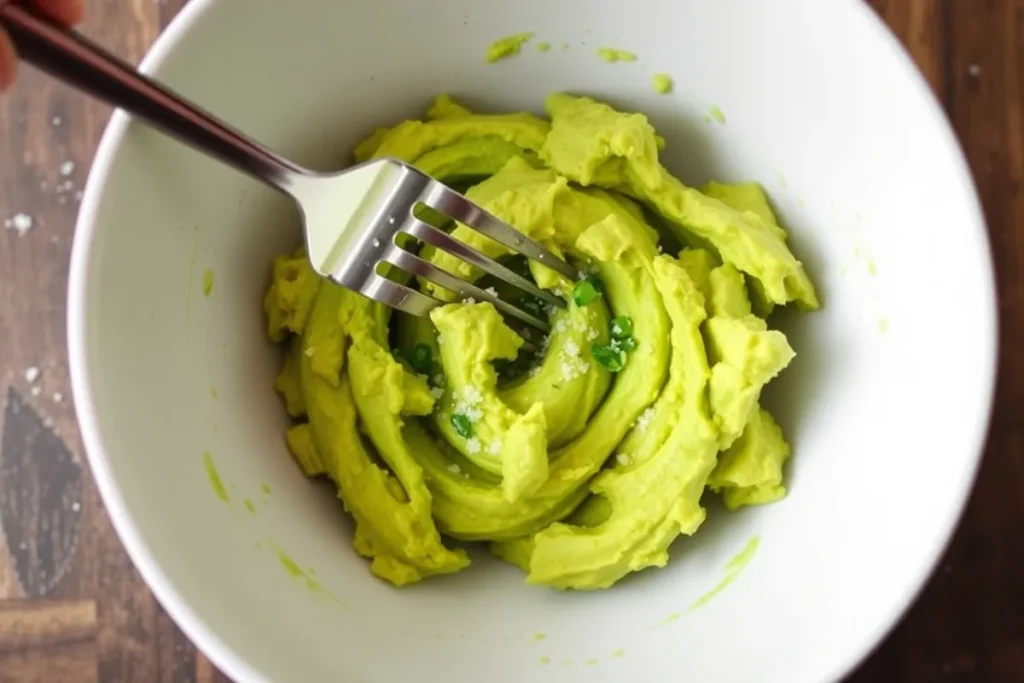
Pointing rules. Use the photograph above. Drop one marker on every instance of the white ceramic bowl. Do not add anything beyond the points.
(886, 404)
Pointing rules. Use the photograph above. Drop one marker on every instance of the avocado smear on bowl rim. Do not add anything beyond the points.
(583, 462)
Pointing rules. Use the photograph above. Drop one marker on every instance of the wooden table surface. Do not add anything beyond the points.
(72, 607)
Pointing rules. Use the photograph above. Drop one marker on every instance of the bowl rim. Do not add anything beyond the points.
(233, 663)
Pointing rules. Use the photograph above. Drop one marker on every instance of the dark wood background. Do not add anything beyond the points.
(72, 608)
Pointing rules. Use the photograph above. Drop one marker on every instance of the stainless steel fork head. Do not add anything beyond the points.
(355, 221)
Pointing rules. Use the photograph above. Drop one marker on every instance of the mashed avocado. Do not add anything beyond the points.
(583, 462)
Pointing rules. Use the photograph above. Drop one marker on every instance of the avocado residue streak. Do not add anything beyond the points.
(612, 55)
(506, 47)
(732, 570)
(304, 576)
(208, 282)
(214, 476)
(662, 83)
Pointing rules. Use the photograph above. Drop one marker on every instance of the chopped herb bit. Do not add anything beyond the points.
(622, 327)
(586, 290)
(610, 357)
(532, 305)
(626, 344)
(422, 359)
(462, 425)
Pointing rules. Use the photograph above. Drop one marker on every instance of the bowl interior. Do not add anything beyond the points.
(885, 405)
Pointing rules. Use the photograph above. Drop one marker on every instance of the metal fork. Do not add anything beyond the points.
(354, 220)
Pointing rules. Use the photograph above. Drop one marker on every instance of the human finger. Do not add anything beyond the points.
(68, 12)
(8, 61)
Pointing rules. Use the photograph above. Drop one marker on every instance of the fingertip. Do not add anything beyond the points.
(74, 11)
(69, 12)
(8, 62)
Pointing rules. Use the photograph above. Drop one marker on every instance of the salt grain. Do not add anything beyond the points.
(67, 168)
(472, 395)
(36, 391)
(56, 121)
(473, 446)
(58, 397)
(21, 222)
(623, 459)
(32, 374)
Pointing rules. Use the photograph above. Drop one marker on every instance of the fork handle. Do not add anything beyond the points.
(86, 66)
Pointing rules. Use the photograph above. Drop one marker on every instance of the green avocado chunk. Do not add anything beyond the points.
(592, 144)
(750, 469)
(391, 506)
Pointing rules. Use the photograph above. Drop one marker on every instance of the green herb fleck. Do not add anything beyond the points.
(532, 305)
(626, 344)
(421, 359)
(622, 327)
(587, 290)
(612, 358)
(462, 425)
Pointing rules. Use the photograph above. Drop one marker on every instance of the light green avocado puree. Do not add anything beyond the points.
(583, 462)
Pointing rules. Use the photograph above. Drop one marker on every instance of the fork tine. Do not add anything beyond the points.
(451, 203)
(407, 300)
(441, 240)
(417, 266)
(398, 296)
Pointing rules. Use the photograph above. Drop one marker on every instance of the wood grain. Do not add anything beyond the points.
(72, 608)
